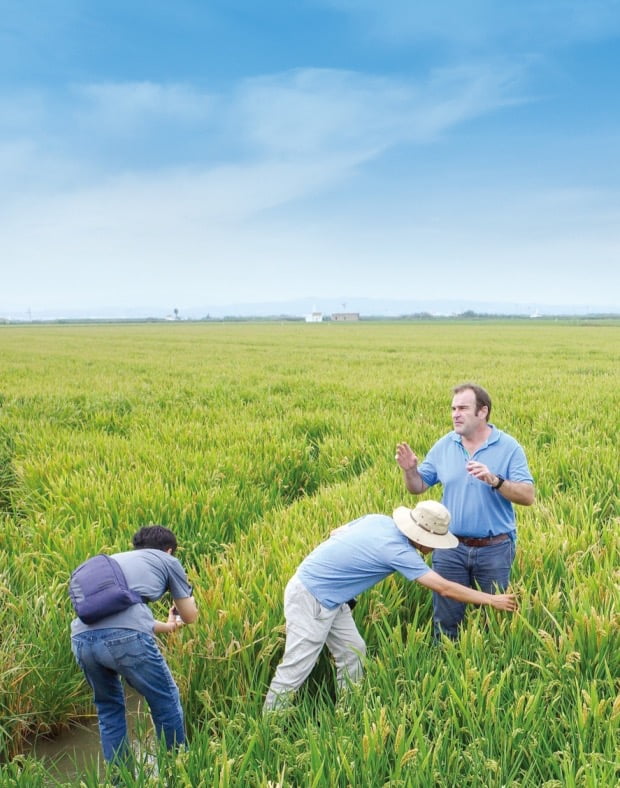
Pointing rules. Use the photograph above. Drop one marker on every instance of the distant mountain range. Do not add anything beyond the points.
(366, 307)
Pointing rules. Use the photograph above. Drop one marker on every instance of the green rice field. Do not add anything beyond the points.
(252, 441)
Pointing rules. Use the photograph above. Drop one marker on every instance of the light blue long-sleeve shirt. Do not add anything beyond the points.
(357, 557)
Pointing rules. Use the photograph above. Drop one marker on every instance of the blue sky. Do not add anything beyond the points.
(179, 154)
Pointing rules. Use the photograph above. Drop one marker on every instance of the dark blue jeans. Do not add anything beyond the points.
(106, 654)
(487, 568)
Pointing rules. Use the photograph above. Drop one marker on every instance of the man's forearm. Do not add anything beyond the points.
(522, 493)
(413, 481)
(464, 594)
(443, 587)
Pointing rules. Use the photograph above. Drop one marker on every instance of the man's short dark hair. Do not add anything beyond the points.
(482, 395)
(157, 537)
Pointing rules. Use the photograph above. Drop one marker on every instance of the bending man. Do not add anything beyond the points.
(355, 557)
(123, 644)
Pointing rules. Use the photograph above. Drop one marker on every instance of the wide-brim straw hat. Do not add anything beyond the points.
(426, 525)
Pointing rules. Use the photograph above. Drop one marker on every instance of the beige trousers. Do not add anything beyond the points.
(310, 626)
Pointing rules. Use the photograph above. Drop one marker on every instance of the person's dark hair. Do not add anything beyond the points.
(482, 395)
(157, 537)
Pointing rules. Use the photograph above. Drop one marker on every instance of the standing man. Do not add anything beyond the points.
(483, 472)
(355, 557)
(123, 644)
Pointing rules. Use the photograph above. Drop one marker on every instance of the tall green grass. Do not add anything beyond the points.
(252, 442)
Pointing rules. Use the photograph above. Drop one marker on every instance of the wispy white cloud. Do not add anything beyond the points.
(338, 119)
(289, 136)
(82, 221)
(308, 111)
(113, 107)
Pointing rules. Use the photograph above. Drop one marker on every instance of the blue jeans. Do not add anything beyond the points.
(106, 654)
(487, 568)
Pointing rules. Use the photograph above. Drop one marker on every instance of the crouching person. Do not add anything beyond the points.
(123, 643)
(355, 557)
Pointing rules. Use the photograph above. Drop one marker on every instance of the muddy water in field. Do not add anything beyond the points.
(78, 750)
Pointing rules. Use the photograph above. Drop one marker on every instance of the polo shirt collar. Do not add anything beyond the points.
(493, 437)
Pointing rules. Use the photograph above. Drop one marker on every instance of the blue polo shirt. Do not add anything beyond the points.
(357, 557)
(476, 509)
